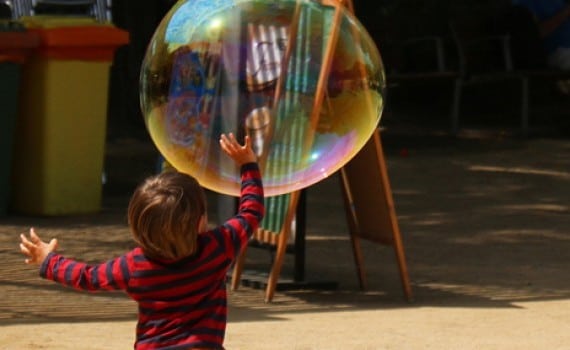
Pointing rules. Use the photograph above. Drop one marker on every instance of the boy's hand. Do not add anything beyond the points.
(36, 249)
(240, 154)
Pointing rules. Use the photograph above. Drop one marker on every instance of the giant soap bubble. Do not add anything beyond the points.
(303, 78)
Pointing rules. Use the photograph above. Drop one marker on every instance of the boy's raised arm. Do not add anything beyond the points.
(251, 207)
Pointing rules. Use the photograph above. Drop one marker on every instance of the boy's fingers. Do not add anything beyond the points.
(247, 142)
(27, 245)
(224, 144)
(25, 240)
(231, 146)
(225, 141)
(231, 139)
(52, 244)
(33, 236)
(230, 142)
(25, 250)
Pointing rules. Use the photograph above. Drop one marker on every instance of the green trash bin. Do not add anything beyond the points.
(15, 46)
(61, 128)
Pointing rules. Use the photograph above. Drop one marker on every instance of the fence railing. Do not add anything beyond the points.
(98, 9)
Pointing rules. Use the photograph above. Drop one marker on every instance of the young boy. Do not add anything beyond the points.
(177, 273)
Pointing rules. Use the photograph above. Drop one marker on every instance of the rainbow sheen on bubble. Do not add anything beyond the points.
(302, 78)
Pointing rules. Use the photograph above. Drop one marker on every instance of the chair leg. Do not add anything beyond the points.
(525, 106)
(455, 106)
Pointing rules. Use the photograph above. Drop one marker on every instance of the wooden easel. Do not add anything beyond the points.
(368, 200)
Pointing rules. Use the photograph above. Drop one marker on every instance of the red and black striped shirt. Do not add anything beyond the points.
(182, 304)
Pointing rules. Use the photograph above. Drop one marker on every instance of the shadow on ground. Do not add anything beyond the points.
(485, 223)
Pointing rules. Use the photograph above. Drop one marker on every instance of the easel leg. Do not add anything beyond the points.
(403, 267)
(281, 247)
(359, 262)
(276, 268)
(353, 228)
(396, 237)
(238, 269)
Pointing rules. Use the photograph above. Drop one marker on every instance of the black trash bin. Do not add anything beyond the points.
(15, 46)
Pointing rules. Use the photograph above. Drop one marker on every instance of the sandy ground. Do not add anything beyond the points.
(486, 230)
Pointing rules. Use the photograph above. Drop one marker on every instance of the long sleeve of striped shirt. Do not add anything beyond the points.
(182, 303)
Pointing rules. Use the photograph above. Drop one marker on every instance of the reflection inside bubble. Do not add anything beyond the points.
(304, 80)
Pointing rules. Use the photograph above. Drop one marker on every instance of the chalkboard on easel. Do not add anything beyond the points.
(369, 195)
(370, 209)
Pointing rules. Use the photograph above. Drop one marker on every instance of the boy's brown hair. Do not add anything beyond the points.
(164, 215)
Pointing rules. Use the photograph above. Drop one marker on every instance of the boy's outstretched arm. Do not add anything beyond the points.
(110, 275)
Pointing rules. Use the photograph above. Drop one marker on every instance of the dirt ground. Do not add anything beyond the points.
(486, 230)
